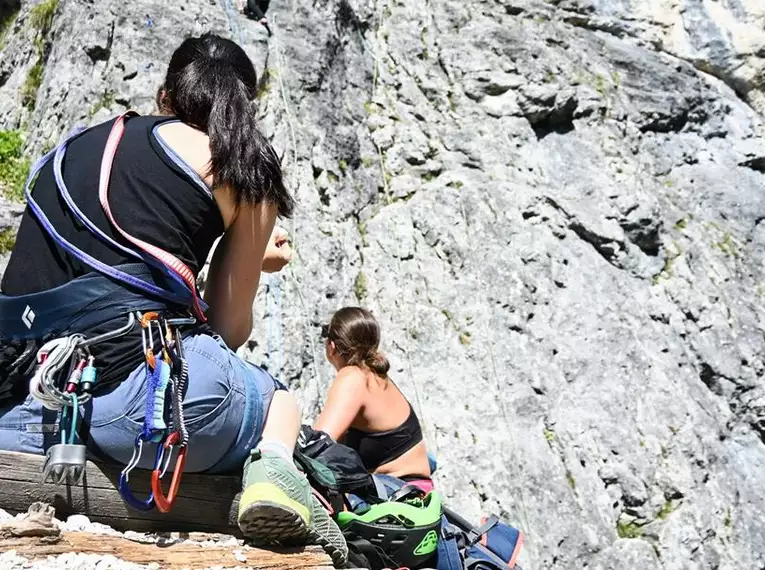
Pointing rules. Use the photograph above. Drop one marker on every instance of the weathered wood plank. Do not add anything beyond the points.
(174, 556)
(205, 503)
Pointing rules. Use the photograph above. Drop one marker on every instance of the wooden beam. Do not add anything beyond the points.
(205, 503)
(173, 556)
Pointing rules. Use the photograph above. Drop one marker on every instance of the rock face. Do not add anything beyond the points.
(557, 211)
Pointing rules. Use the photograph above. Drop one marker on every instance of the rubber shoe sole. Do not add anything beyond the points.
(270, 523)
(339, 557)
(267, 522)
(325, 532)
(266, 513)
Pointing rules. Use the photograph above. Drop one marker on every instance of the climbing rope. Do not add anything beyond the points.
(293, 183)
(511, 465)
(290, 123)
(274, 310)
(233, 22)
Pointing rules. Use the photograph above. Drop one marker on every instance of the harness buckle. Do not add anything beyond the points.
(124, 482)
(165, 503)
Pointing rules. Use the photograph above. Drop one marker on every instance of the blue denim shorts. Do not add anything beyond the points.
(225, 407)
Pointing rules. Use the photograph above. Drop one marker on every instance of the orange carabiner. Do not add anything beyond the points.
(148, 316)
(146, 339)
(165, 503)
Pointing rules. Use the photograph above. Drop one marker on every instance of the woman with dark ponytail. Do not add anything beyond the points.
(197, 171)
(365, 410)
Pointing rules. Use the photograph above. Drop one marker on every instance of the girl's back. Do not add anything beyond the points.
(364, 408)
(152, 198)
(385, 407)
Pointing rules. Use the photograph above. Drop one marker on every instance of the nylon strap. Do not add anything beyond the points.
(157, 378)
(474, 535)
(73, 250)
(80, 255)
(93, 228)
(168, 259)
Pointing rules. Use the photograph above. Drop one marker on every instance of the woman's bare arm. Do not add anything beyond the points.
(344, 402)
(234, 274)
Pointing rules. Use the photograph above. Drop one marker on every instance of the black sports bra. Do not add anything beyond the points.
(383, 447)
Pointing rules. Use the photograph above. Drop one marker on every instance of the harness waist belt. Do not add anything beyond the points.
(77, 305)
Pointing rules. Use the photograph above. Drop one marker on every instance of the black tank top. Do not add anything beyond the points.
(153, 195)
(379, 448)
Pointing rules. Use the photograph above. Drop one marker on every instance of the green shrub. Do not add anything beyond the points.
(6, 20)
(32, 85)
(628, 530)
(41, 16)
(7, 240)
(14, 168)
(360, 286)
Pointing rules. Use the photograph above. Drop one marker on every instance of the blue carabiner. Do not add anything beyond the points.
(124, 487)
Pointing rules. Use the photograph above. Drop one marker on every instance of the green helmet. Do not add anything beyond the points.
(404, 529)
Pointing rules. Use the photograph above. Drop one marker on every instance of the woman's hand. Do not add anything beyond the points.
(278, 252)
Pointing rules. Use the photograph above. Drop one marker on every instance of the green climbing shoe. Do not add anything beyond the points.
(276, 502)
(325, 532)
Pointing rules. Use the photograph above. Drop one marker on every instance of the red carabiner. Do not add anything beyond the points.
(165, 503)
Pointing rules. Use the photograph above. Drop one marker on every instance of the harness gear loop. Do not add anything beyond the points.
(167, 258)
(124, 481)
(111, 334)
(165, 503)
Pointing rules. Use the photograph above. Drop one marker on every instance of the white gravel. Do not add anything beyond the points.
(77, 561)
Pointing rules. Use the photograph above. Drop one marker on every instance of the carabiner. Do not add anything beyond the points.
(146, 339)
(124, 488)
(147, 317)
(165, 504)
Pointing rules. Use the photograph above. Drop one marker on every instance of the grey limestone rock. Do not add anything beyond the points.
(556, 210)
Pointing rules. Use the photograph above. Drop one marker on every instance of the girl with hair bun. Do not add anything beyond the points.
(365, 410)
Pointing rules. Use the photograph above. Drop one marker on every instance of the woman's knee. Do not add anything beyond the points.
(285, 402)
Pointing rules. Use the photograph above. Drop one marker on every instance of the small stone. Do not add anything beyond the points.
(77, 523)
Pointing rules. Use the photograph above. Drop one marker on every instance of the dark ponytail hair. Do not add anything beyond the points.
(210, 85)
(356, 335)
